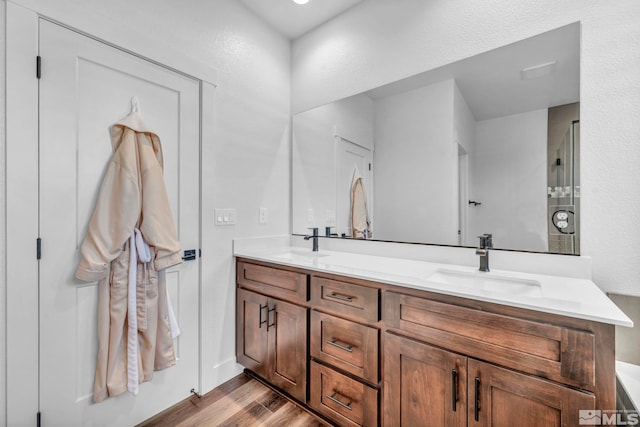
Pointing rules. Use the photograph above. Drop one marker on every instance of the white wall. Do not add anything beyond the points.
(514, 209)
(464, 129)
(314, 157)
(313, 170)
(3, 239)
(378, 42)
(251, 165)
(416, 166)
(464, 124)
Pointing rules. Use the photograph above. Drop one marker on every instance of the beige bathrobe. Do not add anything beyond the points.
(133, 194)
(360, 223)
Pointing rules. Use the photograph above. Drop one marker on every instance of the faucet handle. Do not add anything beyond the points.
(327, 231)
(486, 241)
(314, 231)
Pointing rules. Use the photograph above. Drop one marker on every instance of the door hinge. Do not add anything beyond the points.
(38, 248)
(38, 419)
(369, 166)
(38, 66)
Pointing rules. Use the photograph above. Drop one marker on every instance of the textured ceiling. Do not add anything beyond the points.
(293, 20)
(491, 82)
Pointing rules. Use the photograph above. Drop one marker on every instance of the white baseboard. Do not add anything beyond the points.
(222, 373)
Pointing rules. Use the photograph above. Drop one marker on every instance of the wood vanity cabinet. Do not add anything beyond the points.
(456, 365)
(344, 346)
(363, 353)
(271, 334)
(426, 385)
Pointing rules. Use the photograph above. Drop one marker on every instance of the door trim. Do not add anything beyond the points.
(21, 200)
(21, 346)
(111, 32)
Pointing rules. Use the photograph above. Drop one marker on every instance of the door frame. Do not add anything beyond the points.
(463, 195)
(367, 174)
(21, 344)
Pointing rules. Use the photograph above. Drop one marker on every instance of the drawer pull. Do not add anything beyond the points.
(269, 311)
(476, 410)
(333, 398)
(340, 297)
(260, 321)
(334, 343)
(454, 389)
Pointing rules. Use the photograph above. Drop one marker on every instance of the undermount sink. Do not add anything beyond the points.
(487, 282)
(300, 255)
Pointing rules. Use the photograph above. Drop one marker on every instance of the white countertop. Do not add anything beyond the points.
(565, 296)
(629, 376)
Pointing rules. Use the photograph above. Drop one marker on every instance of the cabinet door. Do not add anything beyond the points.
(423, 385)
(287, 326)
(251, 331)
(502, 398)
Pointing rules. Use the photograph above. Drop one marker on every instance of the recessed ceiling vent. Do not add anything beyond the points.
(538, 70)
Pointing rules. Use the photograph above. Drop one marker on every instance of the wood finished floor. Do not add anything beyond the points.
(241, 401)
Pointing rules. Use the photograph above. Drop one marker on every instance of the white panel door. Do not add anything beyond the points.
(86, 86)
(348, 156)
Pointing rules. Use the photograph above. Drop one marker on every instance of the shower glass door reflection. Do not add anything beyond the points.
(564, 194)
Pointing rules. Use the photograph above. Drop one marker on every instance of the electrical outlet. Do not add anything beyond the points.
(264, 216)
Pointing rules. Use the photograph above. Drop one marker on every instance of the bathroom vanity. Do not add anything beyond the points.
(369, 340)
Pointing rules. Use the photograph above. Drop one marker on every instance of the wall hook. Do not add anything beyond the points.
(474, 203)
(135, 105)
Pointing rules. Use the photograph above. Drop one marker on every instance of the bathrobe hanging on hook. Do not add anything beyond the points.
(360, 223)
(132, 195)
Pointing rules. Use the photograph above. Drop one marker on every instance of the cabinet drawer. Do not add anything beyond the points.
(283, 284)
(342, 399)
(550, 351)
(347, 345)
(347, 299)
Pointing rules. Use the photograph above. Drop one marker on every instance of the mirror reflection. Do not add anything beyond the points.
(489, 144)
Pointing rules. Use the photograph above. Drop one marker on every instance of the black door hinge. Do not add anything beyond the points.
(38, 420)
(369, 166)
(38, 66)
(38, 248)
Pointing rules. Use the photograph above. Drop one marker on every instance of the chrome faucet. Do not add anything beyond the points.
(486, 243)
(313, 236)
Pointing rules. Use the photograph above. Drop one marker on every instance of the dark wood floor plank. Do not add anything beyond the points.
(182, 411)
(227, 406)
(241, 401)
(273, 401)
(253, 415)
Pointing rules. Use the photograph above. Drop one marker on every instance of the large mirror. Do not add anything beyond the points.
(489, 144)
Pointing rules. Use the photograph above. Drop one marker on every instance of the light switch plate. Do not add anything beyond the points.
(224, 216)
